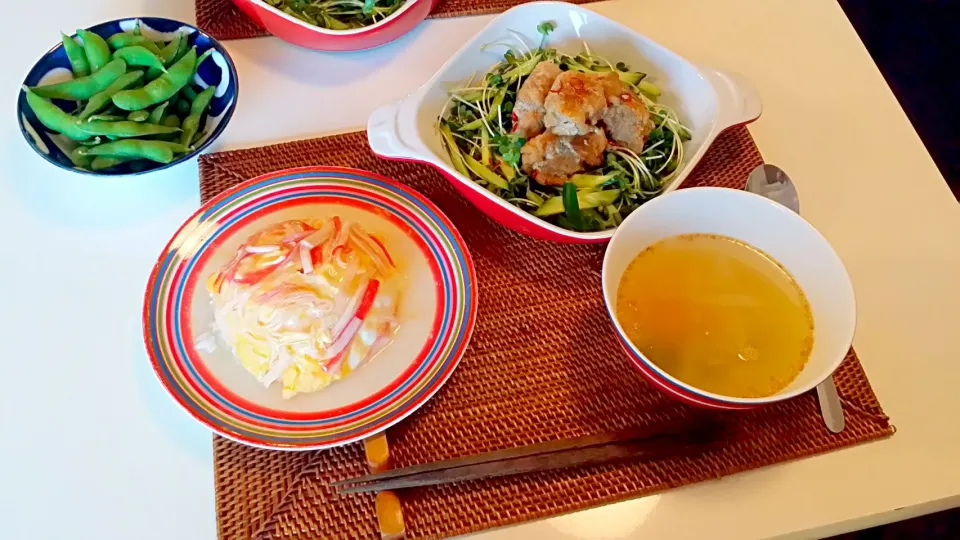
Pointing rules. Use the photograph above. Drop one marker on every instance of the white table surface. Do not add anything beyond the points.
(91, 447)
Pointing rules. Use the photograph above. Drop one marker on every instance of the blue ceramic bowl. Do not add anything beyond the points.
(217, 70)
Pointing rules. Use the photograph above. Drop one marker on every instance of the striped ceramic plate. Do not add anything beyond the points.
(437, 311)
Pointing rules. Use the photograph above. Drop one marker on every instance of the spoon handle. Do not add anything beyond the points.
(771, 182)
(830, 407)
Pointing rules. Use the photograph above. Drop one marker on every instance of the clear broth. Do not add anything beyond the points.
(717, 314)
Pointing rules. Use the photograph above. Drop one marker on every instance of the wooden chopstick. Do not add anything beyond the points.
(589, 450)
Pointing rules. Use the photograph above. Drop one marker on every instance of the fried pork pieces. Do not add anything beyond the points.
(562, 125)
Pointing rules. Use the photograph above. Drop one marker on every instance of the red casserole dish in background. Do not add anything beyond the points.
(293, 30)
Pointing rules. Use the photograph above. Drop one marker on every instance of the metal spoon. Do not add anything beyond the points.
(771, 182)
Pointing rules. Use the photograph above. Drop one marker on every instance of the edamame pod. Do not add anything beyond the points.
(123, 39)
(170, 120)
(96, 50)
(197, 110)
(54, 118)
(204, 56)
(78, 159)
(137, 55)
(105, 118)
(168, 55)
(156, 115)
(105, 162)
(161, 88)
(138, 116)
(189, 93)
(182, 49)
(169, 51)
(84, 87)
(159, 151)
(182, 107)
(102, 99)
(78, 59)
(125, 129)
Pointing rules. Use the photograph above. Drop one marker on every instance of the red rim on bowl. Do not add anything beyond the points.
(304, 34)
(186, 372)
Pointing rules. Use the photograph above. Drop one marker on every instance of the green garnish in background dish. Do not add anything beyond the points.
(338, 14)
(476, 128)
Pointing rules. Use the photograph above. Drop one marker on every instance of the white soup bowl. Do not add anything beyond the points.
(763, 224)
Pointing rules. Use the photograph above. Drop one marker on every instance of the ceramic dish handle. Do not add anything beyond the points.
(737, 99)
(386, 132)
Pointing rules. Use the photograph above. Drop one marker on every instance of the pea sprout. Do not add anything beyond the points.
(338, 14)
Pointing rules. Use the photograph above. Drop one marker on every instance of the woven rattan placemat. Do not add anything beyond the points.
(543, 364)
(222, 20)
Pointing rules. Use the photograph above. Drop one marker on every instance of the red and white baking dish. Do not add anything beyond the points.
(292, 29)
(708, 101)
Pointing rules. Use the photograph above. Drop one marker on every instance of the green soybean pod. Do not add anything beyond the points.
(138, 55)
(84, 87)
(182, 49)
(125, 129)
(182, 108)
(91, 142)
(105, 162)
(156, 115)
(191, 123)
(78, 59)
(54, 118)
(138, 116)
(170, 120)
(96, 49)
(168, 55)
(102, 98)
(189, 93)
(105, 118)
(124, 39)
(159, 151)
(203, 57)
(169, 51)
(78, 159)
(132, 148)
(161, 88)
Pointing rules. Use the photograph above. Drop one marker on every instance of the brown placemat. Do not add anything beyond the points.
(222, 20)
(543, 364)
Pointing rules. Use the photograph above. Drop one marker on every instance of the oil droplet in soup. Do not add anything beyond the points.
(717, 314)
